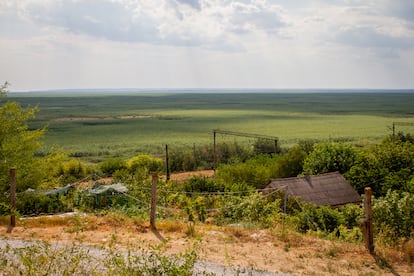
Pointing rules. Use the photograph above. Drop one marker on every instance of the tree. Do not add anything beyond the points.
(291, 163)
(383, 167)
(330, 157)
(17, 142)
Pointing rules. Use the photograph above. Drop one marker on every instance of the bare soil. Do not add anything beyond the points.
(75, 119)
(180, 177)
(276, 250)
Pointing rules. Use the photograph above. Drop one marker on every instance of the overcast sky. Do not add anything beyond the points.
(59, 44)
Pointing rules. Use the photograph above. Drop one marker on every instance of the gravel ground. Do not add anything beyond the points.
(97, 255)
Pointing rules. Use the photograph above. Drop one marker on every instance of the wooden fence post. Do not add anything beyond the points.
(167, 166)
(214, 151)
(153, 199)
(367, 228)
(12, 200)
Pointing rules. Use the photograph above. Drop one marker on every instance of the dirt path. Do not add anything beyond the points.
(98, 255)
(267, 250)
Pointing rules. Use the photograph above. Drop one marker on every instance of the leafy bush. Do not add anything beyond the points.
(254, 209)
(111, 165)
(330, 157)
(266, 146)
(388, 165)
(307, 145)
(31, 203)
(325, 219)
(102, 202)
(185, 159)
(255, 172)
(144, 164)
(202, 184)
(291, 163)
(4, 209)
(352, 214)
(73, 170)
(394, 214)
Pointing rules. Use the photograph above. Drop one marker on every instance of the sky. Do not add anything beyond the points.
(173, 44)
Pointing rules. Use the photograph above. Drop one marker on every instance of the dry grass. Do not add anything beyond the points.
(408, 251)
(272, 250)
(237, 232)
(171, 226)
(38, 221)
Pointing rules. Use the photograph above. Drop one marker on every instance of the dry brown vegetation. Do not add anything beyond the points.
(278, 249)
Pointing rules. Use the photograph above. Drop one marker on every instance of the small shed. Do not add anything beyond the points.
(329, 189)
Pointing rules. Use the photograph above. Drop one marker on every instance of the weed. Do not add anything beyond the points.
(331, 269)
(236, 231)
(333, 251)
(170, 226)
(41, 258)
(191, 232)
(287, 247)
(78, 224)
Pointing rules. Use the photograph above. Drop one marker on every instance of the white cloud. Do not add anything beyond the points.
(158, 22)
(206, 43)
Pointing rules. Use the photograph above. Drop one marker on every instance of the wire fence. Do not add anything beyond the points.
(146, 204)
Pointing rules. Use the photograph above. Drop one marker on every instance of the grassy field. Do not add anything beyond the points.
(122, 124)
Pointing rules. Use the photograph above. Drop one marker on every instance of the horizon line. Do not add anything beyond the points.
(164, 90)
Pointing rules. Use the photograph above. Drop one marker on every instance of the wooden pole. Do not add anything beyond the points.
(276, 146)
(367, 227)
(167, 166)
(214, 151)
(12, 199)
(153, 199)
(194, 157)
(393, 132)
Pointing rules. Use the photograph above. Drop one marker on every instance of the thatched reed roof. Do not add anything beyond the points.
(329, 189)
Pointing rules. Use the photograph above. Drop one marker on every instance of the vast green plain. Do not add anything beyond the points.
(96, 125)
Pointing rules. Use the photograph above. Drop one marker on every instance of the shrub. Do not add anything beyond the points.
(251, 209)
(394, 214)
(322, 218)
(144, 164)
(383, 167)
(202, 184)
(266, 146)
(111, 165)
(4, 209)
(352, 214)
(291, 163)
(330, 157)
(73, 170)
(255, 172)
(30, 203)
